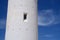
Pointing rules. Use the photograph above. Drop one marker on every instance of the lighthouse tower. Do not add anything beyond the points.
(22, 20)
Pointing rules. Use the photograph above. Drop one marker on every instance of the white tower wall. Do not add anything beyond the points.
(22, 20)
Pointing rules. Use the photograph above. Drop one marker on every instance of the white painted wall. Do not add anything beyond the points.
(17, 28)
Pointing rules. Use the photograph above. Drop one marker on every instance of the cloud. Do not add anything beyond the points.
(47, 35)
(2, 23)
(48, 17)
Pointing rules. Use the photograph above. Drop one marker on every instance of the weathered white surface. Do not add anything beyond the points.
(17, 28)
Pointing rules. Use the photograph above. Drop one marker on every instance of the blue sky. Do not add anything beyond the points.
(48, 19)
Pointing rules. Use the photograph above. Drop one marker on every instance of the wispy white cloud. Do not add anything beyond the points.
(47, 17)
(2, 23)
(47, 36)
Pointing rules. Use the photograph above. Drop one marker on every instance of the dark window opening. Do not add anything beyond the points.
(25, 16)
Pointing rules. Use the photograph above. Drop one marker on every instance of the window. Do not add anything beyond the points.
(25, 17)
